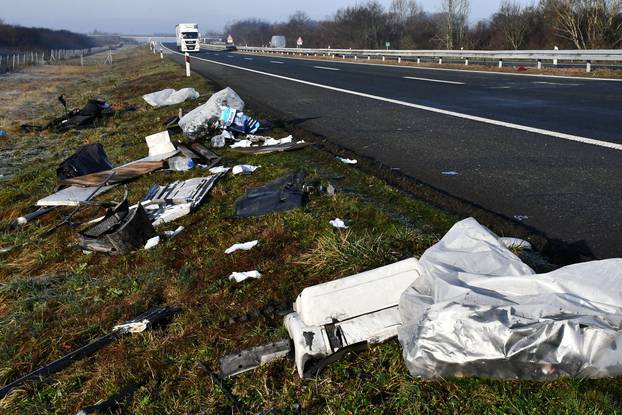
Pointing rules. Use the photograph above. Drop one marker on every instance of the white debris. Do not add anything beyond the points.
(197, 121)
(338, 223)
(521, 218)
(172, 234)
(167, 213)
(153, 242)
(241, 276)
(136, 327)
(515, 243)
(347, 161)
(450, 173)
(71, 196)
(241, 246)
(170, 96)
(219, 169)
(180, 163)
(244, 169)
(241, 144)
(160, 143)
(273, 142)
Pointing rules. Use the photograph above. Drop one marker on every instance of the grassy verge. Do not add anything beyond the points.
(54, 298)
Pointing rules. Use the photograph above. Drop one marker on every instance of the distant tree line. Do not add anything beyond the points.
(571, 24)
(33, 39)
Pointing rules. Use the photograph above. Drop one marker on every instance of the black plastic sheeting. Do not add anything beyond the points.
(90, 158)
(280, 195)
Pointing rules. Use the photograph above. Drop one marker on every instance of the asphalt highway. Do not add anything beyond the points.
(546, 150)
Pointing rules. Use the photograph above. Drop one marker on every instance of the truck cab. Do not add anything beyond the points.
(187, 35)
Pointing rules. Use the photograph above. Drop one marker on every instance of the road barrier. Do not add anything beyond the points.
(589, 58)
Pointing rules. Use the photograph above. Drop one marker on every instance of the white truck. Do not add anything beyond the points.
(187, 35)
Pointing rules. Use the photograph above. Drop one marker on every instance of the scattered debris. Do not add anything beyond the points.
(199, 122)
(170, 96)
(474, 291)
(241, 144)
(180, 163)
(450, 173)
(359, 309)
(236, 121)
(515, 243)
(276, 148)
(241, 276)
(347, 161)
(75, 119)
(246, 246)
(338, 223)
(120, 174)
(220, 140)
(172, 234)
(521, 218)
(160, 144)
(280, 195)
(207, 156)
(146, 320)
(3, 133)
(29, 217)
(219, 169)
(244, 169)
(89, 158)
(73, 196)
(252, 358)
(152, 242)
(121, 231)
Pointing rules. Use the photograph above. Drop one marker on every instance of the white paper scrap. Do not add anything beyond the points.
(242, 246)
(338, 223)
(241, 276)
(347, 161)
(244, 169)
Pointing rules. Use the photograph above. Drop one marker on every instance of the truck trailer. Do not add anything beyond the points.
(187, 35)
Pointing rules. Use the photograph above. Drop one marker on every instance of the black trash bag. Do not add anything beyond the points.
(121, 231)
(283, 194)
(90, 158)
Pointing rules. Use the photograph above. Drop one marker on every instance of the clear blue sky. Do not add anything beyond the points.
(148, 16)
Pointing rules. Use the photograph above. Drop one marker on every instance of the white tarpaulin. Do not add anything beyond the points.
(477, 310)
(197, 121)
(170, 97)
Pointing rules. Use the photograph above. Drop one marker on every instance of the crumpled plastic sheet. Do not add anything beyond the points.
(246, 246)
(235, 120)
(241, 276)
(478, 310)
(338, 223)
(196, 123)
(244, 169)
(347, 161)
(170, 96)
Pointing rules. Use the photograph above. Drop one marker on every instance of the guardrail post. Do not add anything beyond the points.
(500, 63)
(466, 62)
(588, 67)
(368, 57)
(383, 58)
(399, 59)
(355, 57)
(440, 61)
(344, 56)
(539, 63)
(418, 59)
(187, 56)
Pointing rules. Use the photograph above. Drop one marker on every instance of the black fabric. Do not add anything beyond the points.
(283, 194)
(120, 232)
(90, 158)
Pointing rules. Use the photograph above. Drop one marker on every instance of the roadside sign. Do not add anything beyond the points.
(299, 42)
(387, 45)
(230, 39)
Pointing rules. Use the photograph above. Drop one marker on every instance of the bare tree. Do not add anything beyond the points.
(587, 23)
(457, 15)
(513, 21)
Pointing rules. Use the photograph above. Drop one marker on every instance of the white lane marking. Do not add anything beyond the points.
(276, 62)
(499, 87)
(554, 83)
(564, 136)
(230, 56)
(326, 68)
(248, 59)
(434, 80)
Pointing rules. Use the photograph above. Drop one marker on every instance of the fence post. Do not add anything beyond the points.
(187, 56)
(161, 54)
(466, 62)
(500, 63)
(399, 59)
(418, 59)
(539, 63)
(588, 67)
(13, 61)
(82, 59)
(383, 58)
(440, 61)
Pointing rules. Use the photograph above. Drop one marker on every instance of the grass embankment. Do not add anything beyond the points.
(54, 298)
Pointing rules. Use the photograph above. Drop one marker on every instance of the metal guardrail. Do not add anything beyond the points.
(588, 57)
